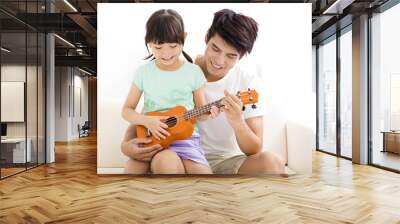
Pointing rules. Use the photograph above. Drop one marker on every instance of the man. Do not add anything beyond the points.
(233, 141)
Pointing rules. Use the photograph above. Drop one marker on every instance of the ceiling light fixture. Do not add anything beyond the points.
(5, 50)
(64, 40)
(338, 6)
(70, 5)
(84, 71)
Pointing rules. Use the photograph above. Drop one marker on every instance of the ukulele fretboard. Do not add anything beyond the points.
(201, 110)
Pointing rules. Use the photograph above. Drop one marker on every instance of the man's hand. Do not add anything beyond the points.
(232, 106)
(132, 147)
(214, 112)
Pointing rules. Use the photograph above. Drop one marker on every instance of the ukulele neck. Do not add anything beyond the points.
(196, 112)
(247, 97)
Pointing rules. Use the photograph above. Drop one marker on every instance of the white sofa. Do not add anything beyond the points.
(290, 140)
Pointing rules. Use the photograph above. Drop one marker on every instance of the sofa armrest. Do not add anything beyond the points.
(300, 144)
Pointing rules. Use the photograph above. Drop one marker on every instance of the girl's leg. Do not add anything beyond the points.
(192, 167)
(167, 162)
(136, 167)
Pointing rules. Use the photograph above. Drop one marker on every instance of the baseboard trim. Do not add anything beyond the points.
(110, 171)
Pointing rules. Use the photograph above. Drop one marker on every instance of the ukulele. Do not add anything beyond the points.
(181, 121)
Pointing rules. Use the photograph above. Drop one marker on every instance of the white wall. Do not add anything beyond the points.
(68, 81)
(61, 103)
(12, 101)
(34, 125)
(16, 73)
(282, 54)
(80, 84)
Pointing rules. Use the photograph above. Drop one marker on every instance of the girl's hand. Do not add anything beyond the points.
(156, 126)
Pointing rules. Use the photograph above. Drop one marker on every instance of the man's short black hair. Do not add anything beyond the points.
(236, 29)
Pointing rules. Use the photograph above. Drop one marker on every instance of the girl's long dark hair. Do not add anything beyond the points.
(165, 26)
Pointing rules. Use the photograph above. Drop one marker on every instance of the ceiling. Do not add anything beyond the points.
(76, 22)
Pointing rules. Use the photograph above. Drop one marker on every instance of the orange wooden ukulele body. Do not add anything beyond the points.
(181, 121)
(182, 129)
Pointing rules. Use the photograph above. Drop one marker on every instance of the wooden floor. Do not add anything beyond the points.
(70, 191)
(10, 171)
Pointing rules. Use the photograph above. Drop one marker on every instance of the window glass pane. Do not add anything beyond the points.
(23, 85)
(41, 98)
(31, 97)
(327, 96)
(385, 88)
(13, 86)
(346, 94)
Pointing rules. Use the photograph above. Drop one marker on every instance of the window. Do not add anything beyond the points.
(385, 88)
(346, 93)
(22, 65)
(327, 96)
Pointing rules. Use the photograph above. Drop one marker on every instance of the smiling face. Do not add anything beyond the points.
(166, 55)
(219, 58)
(165, 36)
(230, 37)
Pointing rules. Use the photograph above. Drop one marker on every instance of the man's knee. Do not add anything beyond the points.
(167, 162)
(269, 162)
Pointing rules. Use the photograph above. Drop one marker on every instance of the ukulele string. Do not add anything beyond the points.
(195, 112)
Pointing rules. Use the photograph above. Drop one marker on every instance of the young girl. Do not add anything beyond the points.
(167, 81)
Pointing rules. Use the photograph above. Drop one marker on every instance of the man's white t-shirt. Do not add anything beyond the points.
(217, 136)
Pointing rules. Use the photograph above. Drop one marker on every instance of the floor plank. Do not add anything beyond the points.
(70, 191)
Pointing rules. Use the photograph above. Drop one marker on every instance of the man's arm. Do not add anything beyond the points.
(130, 134)
(248, 132)
(249, 135)
(130, 146)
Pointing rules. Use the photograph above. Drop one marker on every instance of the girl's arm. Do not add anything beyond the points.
(153, 123)
(200, 100)
(128, 111)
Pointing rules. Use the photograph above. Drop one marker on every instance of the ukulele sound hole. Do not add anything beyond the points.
(171, 121)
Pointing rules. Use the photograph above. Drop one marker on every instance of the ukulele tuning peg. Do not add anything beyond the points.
(253, 106)
(248, 89)
(243, 108)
